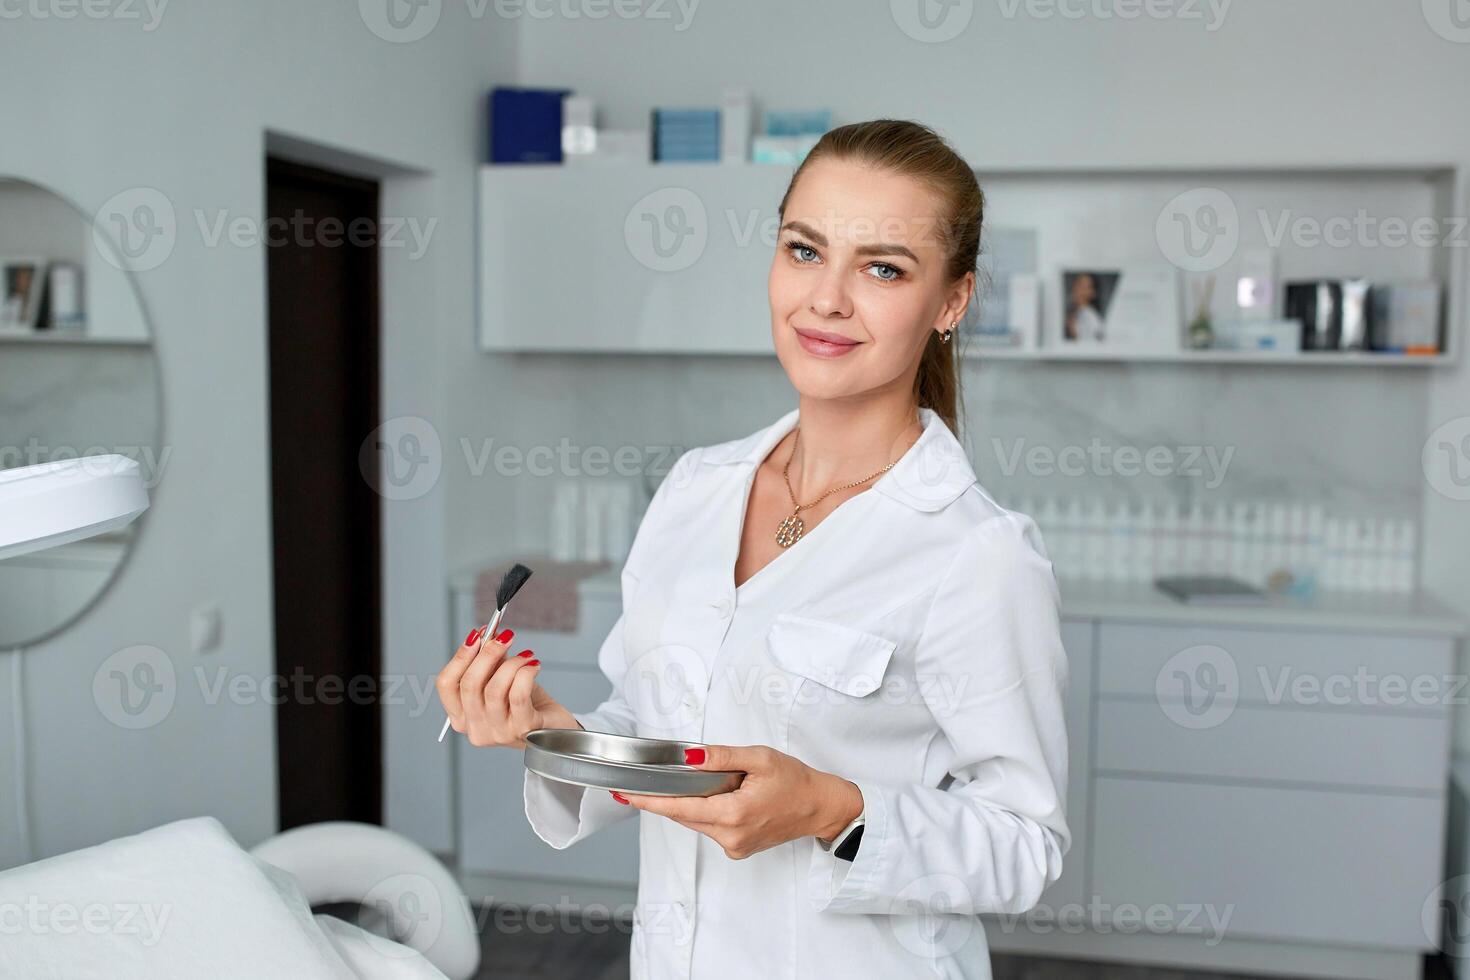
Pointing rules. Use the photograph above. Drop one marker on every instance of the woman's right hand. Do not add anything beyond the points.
(493, 698)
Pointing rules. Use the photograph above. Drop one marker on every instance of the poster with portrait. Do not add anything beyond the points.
(1087, 295)
(21, 283)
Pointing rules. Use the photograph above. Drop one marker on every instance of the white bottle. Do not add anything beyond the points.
(593, 519)
(1145, 547)
(619, 530)
(564, 506)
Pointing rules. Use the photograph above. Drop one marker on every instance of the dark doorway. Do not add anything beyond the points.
(322, 268)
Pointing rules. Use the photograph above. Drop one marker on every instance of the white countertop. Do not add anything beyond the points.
(1416, 613)
(1408, 613)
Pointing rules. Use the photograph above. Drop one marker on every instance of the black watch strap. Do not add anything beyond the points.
(848, 849)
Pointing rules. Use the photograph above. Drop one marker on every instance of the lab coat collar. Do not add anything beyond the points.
(930, 476)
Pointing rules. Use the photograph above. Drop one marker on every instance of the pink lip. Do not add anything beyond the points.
(823, 344)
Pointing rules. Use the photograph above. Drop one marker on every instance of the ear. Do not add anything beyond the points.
(957, 302)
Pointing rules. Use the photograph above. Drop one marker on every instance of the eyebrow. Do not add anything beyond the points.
(821, 239)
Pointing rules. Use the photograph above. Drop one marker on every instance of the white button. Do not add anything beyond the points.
(690, 701)
(722, 606)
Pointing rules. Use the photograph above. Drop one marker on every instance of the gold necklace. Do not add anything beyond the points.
(790, 530)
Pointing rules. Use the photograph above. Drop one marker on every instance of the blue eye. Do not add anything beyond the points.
(897, 273)
(797, 249)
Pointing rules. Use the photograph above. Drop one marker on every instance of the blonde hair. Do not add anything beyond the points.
(914, 150)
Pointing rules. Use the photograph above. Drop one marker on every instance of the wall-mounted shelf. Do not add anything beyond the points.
(63, 340)
(1311, 359)
(569, 262)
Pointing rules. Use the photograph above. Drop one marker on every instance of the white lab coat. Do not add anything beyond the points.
(910, 643)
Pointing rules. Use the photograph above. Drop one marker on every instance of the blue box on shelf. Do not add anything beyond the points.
(525, 125)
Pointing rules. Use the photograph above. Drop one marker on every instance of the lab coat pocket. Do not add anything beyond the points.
(833, 674)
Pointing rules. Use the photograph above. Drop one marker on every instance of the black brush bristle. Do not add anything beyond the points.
(511, 584)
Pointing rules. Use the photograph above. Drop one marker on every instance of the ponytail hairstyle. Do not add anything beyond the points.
(913, 150)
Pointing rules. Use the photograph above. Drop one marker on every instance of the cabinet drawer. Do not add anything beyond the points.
(1402, 751)
(1286, 864)
(496, 837)
(1284, 667)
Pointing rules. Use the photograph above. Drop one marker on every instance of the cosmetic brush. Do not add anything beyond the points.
(509, 586)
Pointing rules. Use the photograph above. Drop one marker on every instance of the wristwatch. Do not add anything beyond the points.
(844, 846)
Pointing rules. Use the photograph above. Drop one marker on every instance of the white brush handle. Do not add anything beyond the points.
(489, 629)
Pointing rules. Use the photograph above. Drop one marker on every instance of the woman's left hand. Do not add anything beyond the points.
(780, 799)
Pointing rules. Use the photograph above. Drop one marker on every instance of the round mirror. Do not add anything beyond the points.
(78, 377)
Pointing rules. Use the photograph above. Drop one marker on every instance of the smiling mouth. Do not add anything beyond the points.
(829, 340)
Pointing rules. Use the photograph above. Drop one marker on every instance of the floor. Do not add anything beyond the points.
(518, 949)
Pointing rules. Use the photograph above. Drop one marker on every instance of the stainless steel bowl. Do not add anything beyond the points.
(650, 766)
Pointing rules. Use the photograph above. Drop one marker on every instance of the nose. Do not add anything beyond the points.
(829, 296)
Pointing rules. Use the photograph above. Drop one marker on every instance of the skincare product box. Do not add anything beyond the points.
(736, 120)
(525, 125)
(1405, 317)
(578, 127)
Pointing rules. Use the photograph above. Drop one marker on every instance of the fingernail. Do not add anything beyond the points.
(524, 653)
(474, 635)
(532, 663)
(618, 796)
(693, 757)
(504, 636)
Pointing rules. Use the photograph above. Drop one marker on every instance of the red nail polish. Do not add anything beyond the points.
(618, 796)
(504, 636)
(693, 757)
(524, 653)
(474, 635)
(532, 663)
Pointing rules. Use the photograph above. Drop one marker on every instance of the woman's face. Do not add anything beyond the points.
(858, 282)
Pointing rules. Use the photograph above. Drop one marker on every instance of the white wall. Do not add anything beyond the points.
(98, 106)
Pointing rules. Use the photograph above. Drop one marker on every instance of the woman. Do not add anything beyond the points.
(875, 642)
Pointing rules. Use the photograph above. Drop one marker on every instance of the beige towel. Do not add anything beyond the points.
(548, 601)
